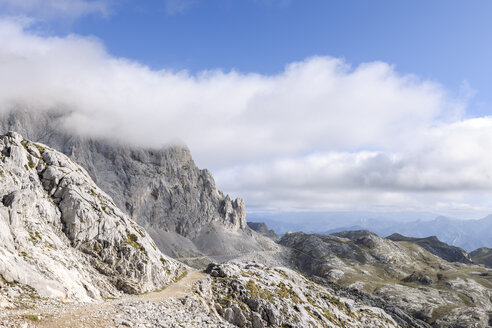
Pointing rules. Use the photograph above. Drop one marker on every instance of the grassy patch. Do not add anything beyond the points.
(181, 276)
(133, 241)
(258, 292)
(440, 311)
(40, 148)
(24, 144)
(287, 292)
(105, 209)
(31, 317)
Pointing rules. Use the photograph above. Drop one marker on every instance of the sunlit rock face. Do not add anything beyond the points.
(64, 237)
(255, 295)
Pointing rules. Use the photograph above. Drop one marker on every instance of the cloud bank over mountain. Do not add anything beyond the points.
(320, 134)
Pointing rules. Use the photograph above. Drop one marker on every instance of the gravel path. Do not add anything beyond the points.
(170, 307)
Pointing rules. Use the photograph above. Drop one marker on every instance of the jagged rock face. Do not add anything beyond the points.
(437, 247)
(162, 190)
(253, 295)
(63, 236)
(402, 274)
(262, 229)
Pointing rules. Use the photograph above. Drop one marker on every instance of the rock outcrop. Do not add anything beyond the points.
(483, 256)
(436, 247)
(402, 274)
(62, 237)
(262, 229)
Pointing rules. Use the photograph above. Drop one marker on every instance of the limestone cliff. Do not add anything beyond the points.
(63, 237)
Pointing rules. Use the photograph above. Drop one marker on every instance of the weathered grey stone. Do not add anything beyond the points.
(276, 297)
(63, 236)
(415, 286)
(256, 321)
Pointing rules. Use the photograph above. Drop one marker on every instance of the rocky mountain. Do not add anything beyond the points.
(436, 247)
(482, 256)
(327, 221)
(401, 274)
(161, 189)
(64, 242)
(466, 234)
(62, 237)
(262, 229)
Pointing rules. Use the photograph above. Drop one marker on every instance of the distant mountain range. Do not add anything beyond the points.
(467, 234)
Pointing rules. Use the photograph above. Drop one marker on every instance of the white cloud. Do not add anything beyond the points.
(174, 7)
(446, 169)
(50, 9)
(320, 134)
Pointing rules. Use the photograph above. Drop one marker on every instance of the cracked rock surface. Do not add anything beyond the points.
(254, 295)
(400, 274)
(62, 237)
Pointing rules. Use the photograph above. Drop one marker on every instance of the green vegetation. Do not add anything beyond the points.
(105, 209)
(440, 311)
(24, 144)
(35, 237)
(287, 292)
(133, 241)
(31, 317)
(181, 276)
(40, 148)
(258, 292)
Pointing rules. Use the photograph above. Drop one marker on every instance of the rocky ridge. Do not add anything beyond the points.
(436, 247)
(63, 238)
(483, 256)
(402, 274)
(262, 229)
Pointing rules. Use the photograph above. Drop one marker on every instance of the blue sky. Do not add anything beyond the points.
(293, 105)
(446, 41)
